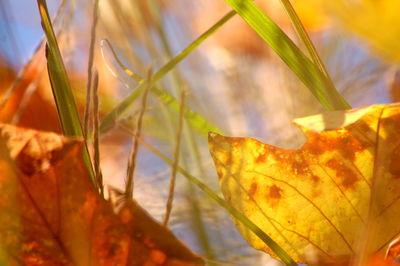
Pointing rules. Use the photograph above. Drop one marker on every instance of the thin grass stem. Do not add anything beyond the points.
(176, 159)
(197, 121)
(190, 143)
(302, 33)
(122, 106)
(132, 158)
(96, 142)
(86, 115)
(232, 210)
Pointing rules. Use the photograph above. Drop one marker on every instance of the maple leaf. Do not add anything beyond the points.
(377, 22)
(51, 215)
(335, 197)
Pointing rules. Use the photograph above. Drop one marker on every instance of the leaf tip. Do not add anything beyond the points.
(212, 135)
(216, 141)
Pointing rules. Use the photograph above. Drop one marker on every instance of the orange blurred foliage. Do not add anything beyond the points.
(237, 37)
(28, 103)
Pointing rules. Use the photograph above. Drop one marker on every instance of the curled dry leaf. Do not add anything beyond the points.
(51, 215)
(335, 198)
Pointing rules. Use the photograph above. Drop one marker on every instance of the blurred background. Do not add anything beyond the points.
(233, 81)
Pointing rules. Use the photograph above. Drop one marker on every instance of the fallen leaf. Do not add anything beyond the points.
(334, 198)
(51, 215)
(377, 22)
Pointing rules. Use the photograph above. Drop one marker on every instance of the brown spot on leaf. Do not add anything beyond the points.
(349, 146)
(229, 160)
(392, 123)
(348, 177)
(282, 156)
(394, 167)
(342, 141)
(300, 167)
(219, 173)
(266, 150)
(253, 189)
(314, 144)
(362, 126)
(261, 158)
(275, 192)
(235, 142)
(315, 178)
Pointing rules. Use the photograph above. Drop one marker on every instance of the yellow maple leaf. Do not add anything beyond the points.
(377, 22)
(335, 197)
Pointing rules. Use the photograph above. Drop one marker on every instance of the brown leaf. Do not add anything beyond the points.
(51, 215)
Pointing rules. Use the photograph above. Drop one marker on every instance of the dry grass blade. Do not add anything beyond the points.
(89, 69)
(96, 144)
(132, 158)
(176, 159)
(86, 113)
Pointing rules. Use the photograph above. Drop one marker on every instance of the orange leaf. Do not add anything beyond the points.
(335, 197)
(51, 215)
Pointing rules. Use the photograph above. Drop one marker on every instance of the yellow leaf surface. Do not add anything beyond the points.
(336, 196)
(377, 22)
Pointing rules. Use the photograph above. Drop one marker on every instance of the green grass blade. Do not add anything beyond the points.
(301, 31)
(195, 120)
(182, 55)
(62, 92)
(67, 110)
(305, 70)
(121, 107)
(233, 211)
